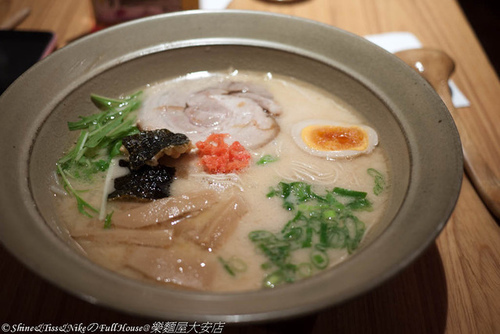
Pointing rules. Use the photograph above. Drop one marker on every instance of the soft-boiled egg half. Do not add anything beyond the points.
(333, 140)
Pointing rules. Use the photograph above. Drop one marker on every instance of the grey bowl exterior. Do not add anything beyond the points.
(416, 130)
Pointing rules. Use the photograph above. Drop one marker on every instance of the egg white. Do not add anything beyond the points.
(297, 137)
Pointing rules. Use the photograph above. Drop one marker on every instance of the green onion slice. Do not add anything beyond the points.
(378, 179)
(349, 193)
(319, 259)
(267, 159)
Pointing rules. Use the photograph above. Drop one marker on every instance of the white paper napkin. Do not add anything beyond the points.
(399, 41)
(213, 4)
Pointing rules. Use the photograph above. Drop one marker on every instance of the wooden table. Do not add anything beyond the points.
(454, 287)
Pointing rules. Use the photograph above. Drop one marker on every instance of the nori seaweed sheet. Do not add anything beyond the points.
(143, 146)
(146, 183)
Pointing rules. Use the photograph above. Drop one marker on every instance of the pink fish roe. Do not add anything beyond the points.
(218, 157)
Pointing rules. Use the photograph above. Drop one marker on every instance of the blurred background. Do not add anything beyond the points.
(484, 17)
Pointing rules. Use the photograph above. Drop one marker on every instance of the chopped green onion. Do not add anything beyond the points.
(309, 235)
(237, 264)
(319, 259)
(329, 214)
(350, 225)
(274, 279)
(294, 234)
(360, 204)
(267, 159)
(321, 247)
(320, 222)
(226, 266)
(233, 265)
(349, 193)
(288, 205)
(323, 233)
(266, 265)
(260, 235)
(337, 240)
(356, 230)
(378, 179)
(333, 202)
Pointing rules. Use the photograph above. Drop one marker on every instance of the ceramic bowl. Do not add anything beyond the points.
(414, 126)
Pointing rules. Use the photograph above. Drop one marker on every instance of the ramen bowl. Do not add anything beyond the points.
(414, 127)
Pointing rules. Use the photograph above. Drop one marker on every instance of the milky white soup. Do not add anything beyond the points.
(298, 207)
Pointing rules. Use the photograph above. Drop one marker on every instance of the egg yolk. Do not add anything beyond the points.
(334, 138)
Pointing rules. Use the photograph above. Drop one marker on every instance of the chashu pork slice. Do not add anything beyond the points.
(257, 93)
(214, 110)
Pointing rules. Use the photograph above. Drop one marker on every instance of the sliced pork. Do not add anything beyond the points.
(244, 111)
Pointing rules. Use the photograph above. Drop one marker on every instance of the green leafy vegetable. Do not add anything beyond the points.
(83, 206)
(99, 141)
(267, 159)
(320, 222)
(107, 220)
(106, 103)
(379, 180)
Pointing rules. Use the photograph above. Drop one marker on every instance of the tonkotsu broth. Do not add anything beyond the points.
(299, 101)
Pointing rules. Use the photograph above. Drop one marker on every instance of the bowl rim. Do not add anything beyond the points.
(80, 277)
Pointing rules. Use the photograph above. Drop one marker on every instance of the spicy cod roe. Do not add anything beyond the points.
(217, 156)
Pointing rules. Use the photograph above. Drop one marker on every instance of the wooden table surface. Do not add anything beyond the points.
(454, 287)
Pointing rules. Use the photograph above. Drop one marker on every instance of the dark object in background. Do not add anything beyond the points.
(19, 50)
(484, 17)
(111, 12)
